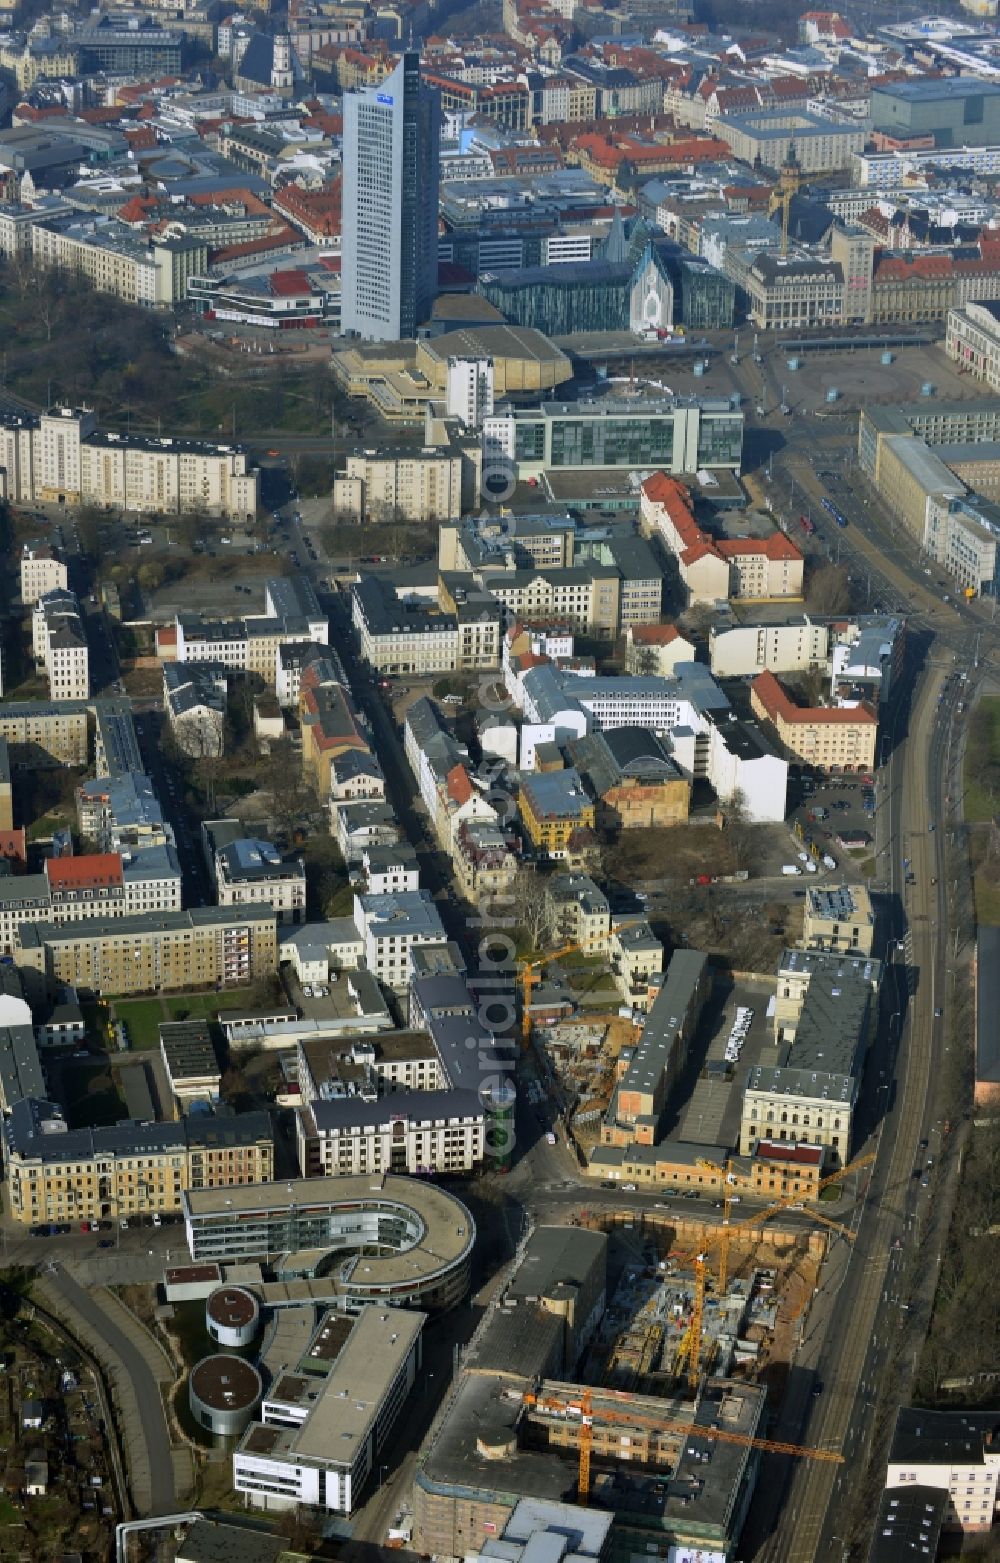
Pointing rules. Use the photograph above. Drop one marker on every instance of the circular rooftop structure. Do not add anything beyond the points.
(232, 1316)
(224, 1392)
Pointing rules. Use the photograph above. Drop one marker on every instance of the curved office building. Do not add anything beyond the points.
(352, 1240)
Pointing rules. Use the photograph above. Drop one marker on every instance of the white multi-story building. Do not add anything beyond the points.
(955, 1451)
(470, 390)
(59, 643)
(43, 570)
(390, 926)
(319, 1435)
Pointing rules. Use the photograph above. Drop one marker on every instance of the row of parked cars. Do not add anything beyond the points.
(738, 1035)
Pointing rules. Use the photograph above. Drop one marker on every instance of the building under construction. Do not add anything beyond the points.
(676, 1468)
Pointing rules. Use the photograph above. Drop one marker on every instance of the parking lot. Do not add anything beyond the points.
(836, 818)
(733, 1036)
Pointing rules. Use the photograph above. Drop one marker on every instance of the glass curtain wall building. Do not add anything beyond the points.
(390, 205)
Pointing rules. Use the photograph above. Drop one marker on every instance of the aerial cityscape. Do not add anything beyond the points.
(499, 781)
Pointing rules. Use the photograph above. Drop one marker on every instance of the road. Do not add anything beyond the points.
(153, 1461)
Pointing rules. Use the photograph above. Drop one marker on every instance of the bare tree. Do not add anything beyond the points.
(829, 590)
(531, 904)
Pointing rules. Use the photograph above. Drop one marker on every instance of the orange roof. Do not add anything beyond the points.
(166, 635)
(778, 703)
(97, 870)
(459, 785)
(14, 845)
(777, 546)
(655, 634)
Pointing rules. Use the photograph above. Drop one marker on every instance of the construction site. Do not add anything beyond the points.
(629, 1364)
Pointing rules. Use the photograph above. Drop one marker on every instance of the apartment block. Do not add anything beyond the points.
(43, 570)
(332, 730)
(442, 771)
(195, 699)
(165, 951)
(429, 484)
(292, 615)
(578, 912)
(554, 807)
(647, 1071)
(955, 1453)
(391, 925)
(57, 1174)
(398, 637)
(61, 457)
(828, 738)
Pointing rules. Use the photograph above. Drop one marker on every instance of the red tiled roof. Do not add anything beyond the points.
(781, 1150)
(777, 702)
(96, 870)
(777, 546)
(459, 785)
(655, 634)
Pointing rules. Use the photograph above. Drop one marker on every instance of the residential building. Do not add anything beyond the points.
(486, 857)
(60, 457)
(127, 1170)
(6, 789)
(95, 885)
(321, 1433)
(955, 1453)
(554, 808)
(390, 205)
(43, 570)
(635, 960)
(769, 137)
(647, 1072)
(828, 738)
(59, 641)
(390, 926)
(578, 912)
(839, 918)
(400, 637)
(432, 483)
(973, 340)
(119, 812)
(656, 648)
(246, 871)
(45, 733)
(824, 1016)
(195, 699)
(797, 646)
(717, 569)
(204, 947)
(331, 726)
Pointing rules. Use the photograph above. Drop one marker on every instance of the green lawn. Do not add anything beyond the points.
(978, 803)
(144, 1016)
(196, 1006)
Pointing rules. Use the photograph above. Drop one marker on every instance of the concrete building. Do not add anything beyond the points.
(416, 1238)
(957, 111)
(675, 434)
(43, 570)
(189, 1058)
(165, 950)
(632, 777)
(839, 919)
(656, 648)
(741, 649)
(390, 926)
(432, 483)
(390, 205)
(321, 1432)
(101, 885)
(828, 738)
(57, 1174)
(61, 457)
(224, 1391)
(954, 1452)
(793, 292)
(973, 340)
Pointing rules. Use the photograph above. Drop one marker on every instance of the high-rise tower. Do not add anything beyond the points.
(390, 205)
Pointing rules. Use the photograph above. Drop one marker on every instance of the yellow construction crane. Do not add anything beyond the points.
(585, 1407)
(529, 968)
(690, 1346)
(788, 186)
